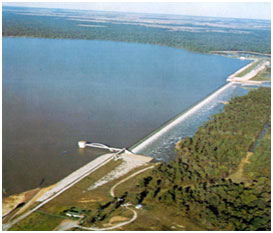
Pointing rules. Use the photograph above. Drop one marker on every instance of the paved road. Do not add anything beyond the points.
(76, 176)
(71, 181)
(127, 178)
(66, 225)
(113, 195)
(65, 184)
(113, 227)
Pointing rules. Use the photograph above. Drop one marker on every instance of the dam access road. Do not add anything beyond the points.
(130, 161)
(257, 65)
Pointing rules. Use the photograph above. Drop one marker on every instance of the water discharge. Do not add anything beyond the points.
(139, 147)
(162, 147)
(58, 92)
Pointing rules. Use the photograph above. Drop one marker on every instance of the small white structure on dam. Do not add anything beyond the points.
(84, 144)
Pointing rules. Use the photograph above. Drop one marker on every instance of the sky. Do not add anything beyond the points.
(249, 10)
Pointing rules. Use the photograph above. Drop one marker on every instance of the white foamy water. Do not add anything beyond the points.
(58, 92)
(161, 144)
(178, 120)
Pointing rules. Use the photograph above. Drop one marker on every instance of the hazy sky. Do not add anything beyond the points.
(251, 10)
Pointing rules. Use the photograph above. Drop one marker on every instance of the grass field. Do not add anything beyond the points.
(71, 197)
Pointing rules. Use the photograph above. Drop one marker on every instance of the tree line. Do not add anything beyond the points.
(56, 27)
(197, 183)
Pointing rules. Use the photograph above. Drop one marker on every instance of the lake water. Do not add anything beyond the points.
(57, 92)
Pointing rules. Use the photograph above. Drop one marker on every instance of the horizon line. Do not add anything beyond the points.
(132, 12)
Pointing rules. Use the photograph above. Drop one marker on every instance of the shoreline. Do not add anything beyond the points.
(135, 42)
(173, 121)
(144, 142)
(41, 196)
(150, 138)
(170, 123)
(230, 77)
(11, 202)
(239, 51)
(179, 117)
(11, 189)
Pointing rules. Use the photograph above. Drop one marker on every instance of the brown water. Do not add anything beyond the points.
(57, 92)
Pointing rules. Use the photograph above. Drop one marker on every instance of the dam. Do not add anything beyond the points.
(130, 160)
(133, 161)
(114, 153)
(115, 100)
(174, 122)
(161, 143)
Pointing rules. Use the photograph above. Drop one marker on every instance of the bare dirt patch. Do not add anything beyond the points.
(116, 219)
(129, 163)
(11, 202)
(86, 200)
(66, 224)
(238, 175)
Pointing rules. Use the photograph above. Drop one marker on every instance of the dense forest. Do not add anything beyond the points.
(221, 176)
(211, 182)
(208, 39)
(198, 181)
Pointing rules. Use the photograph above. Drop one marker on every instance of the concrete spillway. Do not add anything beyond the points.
(174, 122)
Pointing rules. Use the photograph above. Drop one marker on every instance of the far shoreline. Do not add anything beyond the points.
(212, 52)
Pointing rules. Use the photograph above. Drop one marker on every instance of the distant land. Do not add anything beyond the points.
(199, 34)
(219, 173)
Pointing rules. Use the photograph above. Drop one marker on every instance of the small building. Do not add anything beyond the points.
(126, 204)
(74, 212)
(69, 214)
(139, 206)
(82, 144)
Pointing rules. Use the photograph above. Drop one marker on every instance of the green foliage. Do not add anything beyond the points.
(218, 147)
(196, 182)
(104, 211)
(201, 41)
(37, 222)
(259, 168)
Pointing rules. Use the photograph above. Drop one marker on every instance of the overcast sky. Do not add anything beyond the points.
(250, 10)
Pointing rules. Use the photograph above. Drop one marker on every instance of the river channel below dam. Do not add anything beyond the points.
(58, 92)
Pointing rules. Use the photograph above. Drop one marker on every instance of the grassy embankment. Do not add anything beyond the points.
(194, 192)
(75, 196)
(258, 167)
(89, 203)
(198, 186)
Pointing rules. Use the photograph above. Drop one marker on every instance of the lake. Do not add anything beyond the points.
(57, 92)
